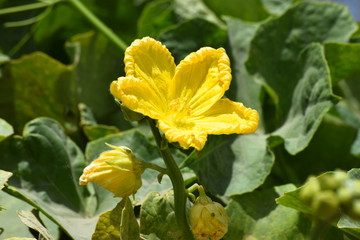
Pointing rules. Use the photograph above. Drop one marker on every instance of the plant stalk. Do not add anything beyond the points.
(99, 24)
(26, 7)
(180, 193)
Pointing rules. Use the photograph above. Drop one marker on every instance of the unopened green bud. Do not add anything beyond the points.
(332, 181)
(326, 205)
(345, 197)
(354, 185)
(354, 212)
(308, 191)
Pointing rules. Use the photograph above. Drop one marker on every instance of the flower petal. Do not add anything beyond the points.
(138, 96)
(224, 117)
(228, 117)
(201, 79)
(184, 133)
(150, 61)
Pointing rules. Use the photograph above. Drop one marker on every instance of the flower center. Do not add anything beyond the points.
(180, 112)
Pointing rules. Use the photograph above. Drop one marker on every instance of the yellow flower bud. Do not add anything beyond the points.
(207, 218)
(116, 170)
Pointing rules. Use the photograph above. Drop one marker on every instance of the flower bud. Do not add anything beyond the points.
(207, 218)
(116, 170)
(309, 190)
(326, 205)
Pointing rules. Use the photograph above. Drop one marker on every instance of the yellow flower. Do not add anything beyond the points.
(207, 218)
(185, 99)
(116, 170)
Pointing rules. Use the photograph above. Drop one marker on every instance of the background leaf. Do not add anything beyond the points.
(54, 86)
(343, 60)
(191, 35)
(275, 48)
(54, 189)
(256, 215)
(31, 220)
(230, 165)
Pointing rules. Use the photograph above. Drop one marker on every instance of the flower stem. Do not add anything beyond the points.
(180, 193)
(99, 24)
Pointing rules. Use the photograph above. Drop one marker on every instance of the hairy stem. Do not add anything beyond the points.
(99, 24)
(180, 193)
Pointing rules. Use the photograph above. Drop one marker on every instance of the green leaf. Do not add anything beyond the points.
(5, 129)
(108, 226)
(144, 150)
(190, 36)
(256, 216)
(49, 165)
(31, 220)
(10, 222)
(343, 60)
(243, 9)
(197, 10)
(118, 223)
(329, 149)
(4, 176)
(46, 81)
(157, 215)
(277, 7)
(155, 18)
(230, 165)
(312, 98)
(96, 52)
(275, 49)
(129, 227)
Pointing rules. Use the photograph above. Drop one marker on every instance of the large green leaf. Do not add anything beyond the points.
(256, 215)
(277, 7)
(197, 10)
(311, 99)
(49, 165)
(157, 216)
(230, 165)
(37, 85)
(144, 150)
(155, 18)
(343, 60)
(328, 150)
(191, 35)
(242, 9)
(276, 46)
